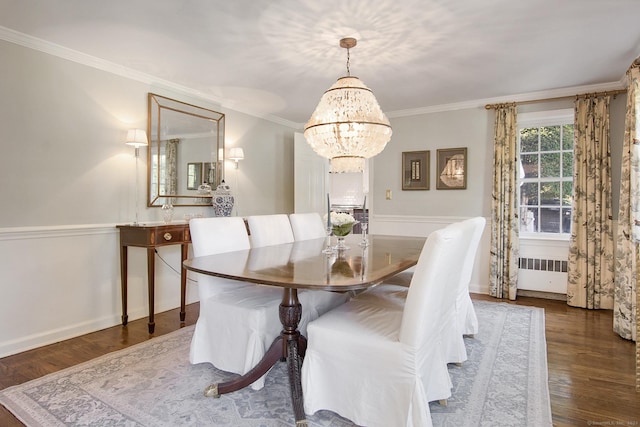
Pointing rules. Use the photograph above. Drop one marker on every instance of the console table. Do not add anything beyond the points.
(151, 237)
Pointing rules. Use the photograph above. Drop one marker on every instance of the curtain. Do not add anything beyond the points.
(504, 253)
(590, 266)
(628, 235)
(171, 179)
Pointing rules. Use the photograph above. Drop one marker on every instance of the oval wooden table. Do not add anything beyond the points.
(302, 265)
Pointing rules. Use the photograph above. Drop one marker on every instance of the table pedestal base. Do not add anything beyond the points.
(290, 345)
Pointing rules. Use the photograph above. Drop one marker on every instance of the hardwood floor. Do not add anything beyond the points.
(591, 369)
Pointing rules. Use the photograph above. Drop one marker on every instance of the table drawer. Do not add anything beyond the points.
(163, 236)
(150, 236)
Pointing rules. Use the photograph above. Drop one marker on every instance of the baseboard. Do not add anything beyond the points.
(26, 343)
(543, 295)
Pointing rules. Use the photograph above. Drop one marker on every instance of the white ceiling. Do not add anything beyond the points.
(276, 58)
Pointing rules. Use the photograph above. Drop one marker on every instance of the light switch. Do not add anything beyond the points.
(388, 194)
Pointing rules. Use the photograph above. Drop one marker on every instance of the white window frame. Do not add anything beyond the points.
(538, 119)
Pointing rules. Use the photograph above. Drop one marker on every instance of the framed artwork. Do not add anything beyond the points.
(451, 169)
(415, 170)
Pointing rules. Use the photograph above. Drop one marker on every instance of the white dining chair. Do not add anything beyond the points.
(211, 236)
(467, 322)
(266, 230)
(467, 319)
(378, 359)
(307, 226)
(238, 324)
(238, 321)
(276, 229)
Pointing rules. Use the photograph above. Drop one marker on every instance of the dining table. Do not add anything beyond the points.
(306, 264)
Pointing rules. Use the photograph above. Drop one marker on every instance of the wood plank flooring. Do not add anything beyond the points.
(591, 369)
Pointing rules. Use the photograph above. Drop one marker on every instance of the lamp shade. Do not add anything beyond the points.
(236, 154)
(348, 125)
(137, 138)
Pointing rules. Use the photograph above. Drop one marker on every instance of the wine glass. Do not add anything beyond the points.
(328, 249)
(364, 225)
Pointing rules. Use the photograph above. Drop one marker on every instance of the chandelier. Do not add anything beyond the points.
(348, 125)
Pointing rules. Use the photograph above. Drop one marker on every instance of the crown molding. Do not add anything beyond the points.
(531, 96)
(111, 67)
(59, 51)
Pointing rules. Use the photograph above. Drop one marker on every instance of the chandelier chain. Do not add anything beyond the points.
(348, 62)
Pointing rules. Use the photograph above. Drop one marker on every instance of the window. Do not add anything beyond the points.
(546, 172)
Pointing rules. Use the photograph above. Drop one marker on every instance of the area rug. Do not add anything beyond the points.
(504, 383)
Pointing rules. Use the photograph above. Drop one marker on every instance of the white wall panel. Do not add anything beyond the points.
(61, 282)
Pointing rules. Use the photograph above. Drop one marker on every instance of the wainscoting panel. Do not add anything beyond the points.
(61, 282)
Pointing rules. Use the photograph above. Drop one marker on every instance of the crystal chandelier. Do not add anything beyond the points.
(348, 125)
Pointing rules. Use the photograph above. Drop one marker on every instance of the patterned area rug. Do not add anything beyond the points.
(504, 383)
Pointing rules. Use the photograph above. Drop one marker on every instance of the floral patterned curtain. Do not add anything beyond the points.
(171, 179)
(628, 233)
(503, 280)
(590, 266)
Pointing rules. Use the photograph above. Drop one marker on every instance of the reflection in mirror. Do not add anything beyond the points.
(183, 152)
(194, 175)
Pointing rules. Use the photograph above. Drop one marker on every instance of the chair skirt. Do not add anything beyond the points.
(351, 342)
(236, 327)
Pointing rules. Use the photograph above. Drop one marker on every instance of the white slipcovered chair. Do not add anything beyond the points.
(211, 236)
(467, 319)
(238, 320)
(378, 359)
(238, 324)
(276, 229)
(307, 226)
(266, 230)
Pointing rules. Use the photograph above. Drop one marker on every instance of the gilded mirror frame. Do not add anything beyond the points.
(181, 134)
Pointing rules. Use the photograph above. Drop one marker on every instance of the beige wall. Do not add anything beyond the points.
(64, 161)
(471, 128)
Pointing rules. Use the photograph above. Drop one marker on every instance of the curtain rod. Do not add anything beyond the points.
(559, 98)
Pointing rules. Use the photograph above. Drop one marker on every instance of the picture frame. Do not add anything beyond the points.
(415, 170)
(451, 169)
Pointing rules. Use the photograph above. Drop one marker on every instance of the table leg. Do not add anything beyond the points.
(151, 268)
(183, 283)
(123, 283)
(290, 344)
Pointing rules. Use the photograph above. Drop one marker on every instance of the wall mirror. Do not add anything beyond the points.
(184, 146)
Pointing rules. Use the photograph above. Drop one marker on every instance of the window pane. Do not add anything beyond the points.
(550, 165)
(550, 220)
(529, 140)
(530, 165)
(550, 138)
(567, 137)
(567, 193)
(529, 193)
(566, 220)
(567, 164)
(550, 193)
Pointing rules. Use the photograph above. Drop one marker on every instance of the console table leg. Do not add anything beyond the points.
(123, 283)
(151, 267)
(183, 283)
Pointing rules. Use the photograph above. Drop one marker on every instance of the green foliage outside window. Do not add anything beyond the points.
(546, 157)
